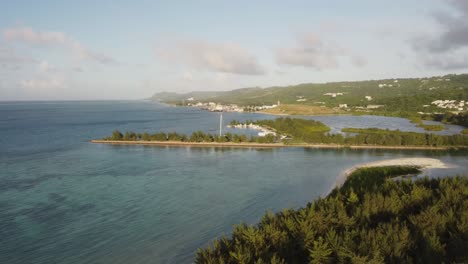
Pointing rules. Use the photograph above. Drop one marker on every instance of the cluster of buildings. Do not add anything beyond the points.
(449, 104)
(369, 107)
(300, 99)
(382, 85)
(437, 80)
(333, 95)
(263, 131)
(215, 107)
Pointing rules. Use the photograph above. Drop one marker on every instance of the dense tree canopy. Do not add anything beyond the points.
(197, 136)
(371, 219)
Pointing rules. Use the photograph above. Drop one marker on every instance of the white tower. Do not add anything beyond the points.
(221, 124)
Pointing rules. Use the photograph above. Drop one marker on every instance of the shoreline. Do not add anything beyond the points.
(265, 145)
(421, 162)
(295, 115)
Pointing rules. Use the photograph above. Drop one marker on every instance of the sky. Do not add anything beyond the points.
(97, 50)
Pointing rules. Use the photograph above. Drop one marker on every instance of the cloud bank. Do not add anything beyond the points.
(447, 49)
(312, 52)
(216, 57)
(53, 38)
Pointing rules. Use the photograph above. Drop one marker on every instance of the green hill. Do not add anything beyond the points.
(395, 95)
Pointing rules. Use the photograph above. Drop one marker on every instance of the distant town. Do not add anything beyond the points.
(217, 107)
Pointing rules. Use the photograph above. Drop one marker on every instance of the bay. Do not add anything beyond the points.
(65, 200)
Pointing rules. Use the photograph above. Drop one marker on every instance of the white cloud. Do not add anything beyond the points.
(53, 38)
(45, 67)
(46, 78)
(42, 83)
(446, 48)
(187, 76)
(358, 61)
(78, 69)
(217, 57)
(9, 58)
(312, 52)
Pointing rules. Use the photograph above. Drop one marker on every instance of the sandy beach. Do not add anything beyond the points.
(263, 145)
(190, 144)
(421, 162)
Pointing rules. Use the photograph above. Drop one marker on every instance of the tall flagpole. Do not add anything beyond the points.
(221, 124)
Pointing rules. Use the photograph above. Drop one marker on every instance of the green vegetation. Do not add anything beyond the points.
(368, 220)
(419, 121)
(198, 136)
(401, 98)
(385, 137)
(465, 131)
(294, 127)
(299, 131)
(431, 127)
(288, 126)
(460, 119)
(364, 178)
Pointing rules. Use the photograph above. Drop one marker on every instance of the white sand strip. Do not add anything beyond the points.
(422, 163)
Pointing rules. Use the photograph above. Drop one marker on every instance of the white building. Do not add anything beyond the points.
(265, 133)
(374, 106)
(333, 95)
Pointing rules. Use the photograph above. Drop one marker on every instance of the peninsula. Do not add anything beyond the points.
(294, 132)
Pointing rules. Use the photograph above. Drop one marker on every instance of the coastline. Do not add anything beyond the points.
(421, 162)
(305, 114)
(265, 145)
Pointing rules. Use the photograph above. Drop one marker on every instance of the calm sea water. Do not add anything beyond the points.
(65, 200)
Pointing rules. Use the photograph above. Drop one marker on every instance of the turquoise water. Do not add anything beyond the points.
(65, 200)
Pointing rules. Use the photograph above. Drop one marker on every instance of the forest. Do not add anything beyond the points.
(385, 137)
(197, 136)
(370, 219)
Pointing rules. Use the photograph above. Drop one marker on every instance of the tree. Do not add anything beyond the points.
(146, 137)
(320, 253)
(116, 135)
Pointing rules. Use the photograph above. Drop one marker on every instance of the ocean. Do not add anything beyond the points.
(66, 200)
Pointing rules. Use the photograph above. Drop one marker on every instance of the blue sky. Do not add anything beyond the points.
(74, 50)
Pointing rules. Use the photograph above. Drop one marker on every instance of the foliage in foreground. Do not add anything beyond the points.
(389, 222)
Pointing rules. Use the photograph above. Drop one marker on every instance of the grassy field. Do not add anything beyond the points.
(300, 109)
